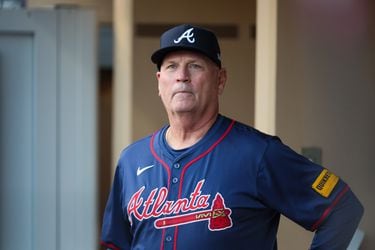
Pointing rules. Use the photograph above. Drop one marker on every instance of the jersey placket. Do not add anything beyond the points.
(173, 167)
(171, 232)
(176, 168)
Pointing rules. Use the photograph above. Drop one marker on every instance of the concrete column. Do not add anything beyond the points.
(265, 66)
(123, 76)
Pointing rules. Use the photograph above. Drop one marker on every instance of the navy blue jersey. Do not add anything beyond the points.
(225, 192)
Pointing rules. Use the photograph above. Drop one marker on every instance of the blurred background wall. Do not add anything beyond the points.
(325, 91)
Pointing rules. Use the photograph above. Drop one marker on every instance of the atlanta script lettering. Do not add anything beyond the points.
(156, 203)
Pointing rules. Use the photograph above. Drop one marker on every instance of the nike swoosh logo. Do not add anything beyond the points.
(141, 170)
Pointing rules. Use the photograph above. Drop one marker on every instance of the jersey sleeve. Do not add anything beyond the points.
(115, 228)
(296, 187)
(338, 230)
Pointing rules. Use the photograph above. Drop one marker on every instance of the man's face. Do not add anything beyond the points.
(190, 82)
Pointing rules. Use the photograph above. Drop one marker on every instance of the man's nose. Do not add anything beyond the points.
(183, 74)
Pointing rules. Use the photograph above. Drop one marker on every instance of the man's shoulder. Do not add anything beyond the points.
(139, 146)
(248, 131)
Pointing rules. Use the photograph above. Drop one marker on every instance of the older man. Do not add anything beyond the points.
(205, 181)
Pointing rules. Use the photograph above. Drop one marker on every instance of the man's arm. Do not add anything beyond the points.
(338, 229)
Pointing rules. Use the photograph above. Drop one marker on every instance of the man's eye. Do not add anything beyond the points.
(195, 66)
(171, 66)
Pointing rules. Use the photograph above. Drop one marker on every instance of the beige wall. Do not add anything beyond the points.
(326, 94)
(238, 57)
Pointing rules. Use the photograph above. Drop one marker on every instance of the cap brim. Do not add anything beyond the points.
(158, 56)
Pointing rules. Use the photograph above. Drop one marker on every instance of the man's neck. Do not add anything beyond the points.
(185, 131)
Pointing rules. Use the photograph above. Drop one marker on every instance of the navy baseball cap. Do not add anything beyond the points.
(188, 37)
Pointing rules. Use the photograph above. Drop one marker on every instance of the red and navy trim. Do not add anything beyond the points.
(109, 245)
(189, 164)
(330, 208)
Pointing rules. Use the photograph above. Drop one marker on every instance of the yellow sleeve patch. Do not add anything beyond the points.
(325, 183)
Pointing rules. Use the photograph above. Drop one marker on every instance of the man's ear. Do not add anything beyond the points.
(157, 78)
(222, 80)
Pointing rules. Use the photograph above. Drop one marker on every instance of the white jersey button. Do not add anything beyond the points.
(176, 165)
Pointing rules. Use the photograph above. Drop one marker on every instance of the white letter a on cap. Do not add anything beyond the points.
(188, 35)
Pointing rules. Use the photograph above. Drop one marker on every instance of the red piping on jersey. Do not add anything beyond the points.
(110, 245)
(175, 238)
(165, 165)
(329, 209)
(162, 239)
(203, 155)
(226, 132)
